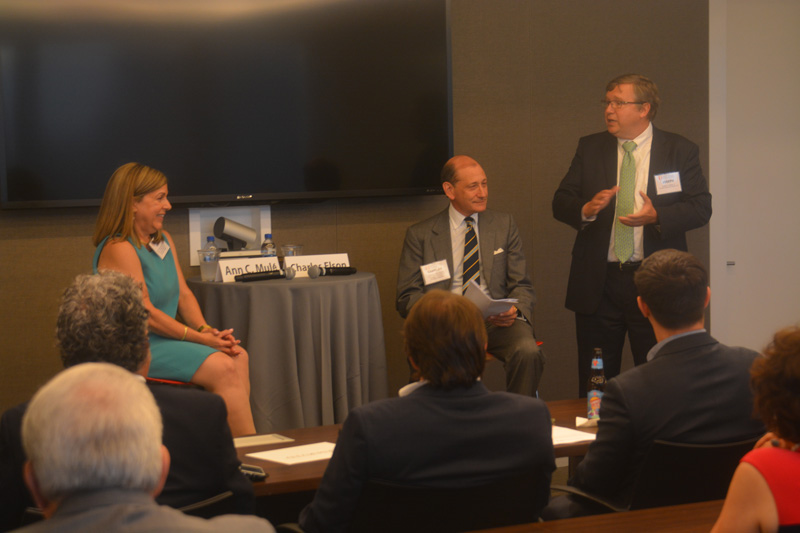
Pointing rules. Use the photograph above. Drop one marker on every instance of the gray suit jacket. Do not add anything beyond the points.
(130, 511)
(503, 266)
(695, 390)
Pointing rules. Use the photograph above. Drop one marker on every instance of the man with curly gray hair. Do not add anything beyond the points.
(102, 319)
(93, 438)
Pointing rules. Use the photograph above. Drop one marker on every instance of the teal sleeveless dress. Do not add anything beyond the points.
(171, 358)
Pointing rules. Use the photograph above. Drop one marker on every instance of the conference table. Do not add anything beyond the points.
(316, 346)
(285, 479)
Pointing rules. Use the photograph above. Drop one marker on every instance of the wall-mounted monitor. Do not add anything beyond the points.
(236, 102)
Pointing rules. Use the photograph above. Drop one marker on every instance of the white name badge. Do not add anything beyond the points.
(301, 263)
(668, 183)
(160, 248)
(435, 272)
(228, 269)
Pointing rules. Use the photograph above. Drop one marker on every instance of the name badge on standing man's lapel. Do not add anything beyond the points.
(160, 248)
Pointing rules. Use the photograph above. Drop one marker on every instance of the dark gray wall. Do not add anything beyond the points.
(527, 78)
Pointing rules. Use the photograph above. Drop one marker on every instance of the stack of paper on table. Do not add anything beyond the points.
(570, 436)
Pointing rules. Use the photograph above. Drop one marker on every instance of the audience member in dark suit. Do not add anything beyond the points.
(625, 207)
(692, 389)
(102, 318)
(765, 489)
(495, 262)
(92, 435)
(446, 430)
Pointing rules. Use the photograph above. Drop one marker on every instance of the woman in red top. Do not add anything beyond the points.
(764, 494)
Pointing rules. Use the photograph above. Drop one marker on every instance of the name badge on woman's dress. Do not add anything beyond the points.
(160, 248)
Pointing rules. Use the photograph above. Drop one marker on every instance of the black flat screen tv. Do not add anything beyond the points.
(236, 102)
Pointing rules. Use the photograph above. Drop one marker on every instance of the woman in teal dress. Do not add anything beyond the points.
(129, 237)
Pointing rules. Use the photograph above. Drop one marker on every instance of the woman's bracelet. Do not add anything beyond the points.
(185, 331)
(204, 327)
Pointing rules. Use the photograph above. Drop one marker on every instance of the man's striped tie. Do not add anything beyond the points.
(472, 268)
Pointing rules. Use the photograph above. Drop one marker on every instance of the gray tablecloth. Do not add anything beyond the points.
(316, 345)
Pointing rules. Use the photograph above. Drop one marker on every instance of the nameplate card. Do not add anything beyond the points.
(230, 268)
(301, 263)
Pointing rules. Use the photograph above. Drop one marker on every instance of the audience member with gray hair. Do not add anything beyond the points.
(102, 319)
(93, 438)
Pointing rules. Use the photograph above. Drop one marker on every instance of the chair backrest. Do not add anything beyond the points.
(390, 507)
(220, 504)
(674, 474)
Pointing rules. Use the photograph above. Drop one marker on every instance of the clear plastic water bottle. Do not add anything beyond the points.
(209, 257)
(211, 244)
(268, 248)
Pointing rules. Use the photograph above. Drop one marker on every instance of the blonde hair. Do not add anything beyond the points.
(128, 184)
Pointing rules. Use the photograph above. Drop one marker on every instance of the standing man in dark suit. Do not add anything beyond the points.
(466, 238)
(630, 191)
(692, 389)
(102, 319)
(446, 430)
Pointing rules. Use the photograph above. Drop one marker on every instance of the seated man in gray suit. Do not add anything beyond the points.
(464, 243)
(692, 389)
(446, 430)
(93, 438)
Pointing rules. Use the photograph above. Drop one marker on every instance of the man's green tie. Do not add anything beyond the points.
(623, 235)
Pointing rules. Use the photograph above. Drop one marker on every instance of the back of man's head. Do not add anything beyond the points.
(103, 318)
(94, 426)
(446, 338)
(674, 286)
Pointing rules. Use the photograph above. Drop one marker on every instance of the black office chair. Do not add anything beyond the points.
(220, 504)
(390, 507)
(674, 474)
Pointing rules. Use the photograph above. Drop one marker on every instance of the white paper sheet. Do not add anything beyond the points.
(297, 454)
(563, 435)
(260, 440)
(488, 306)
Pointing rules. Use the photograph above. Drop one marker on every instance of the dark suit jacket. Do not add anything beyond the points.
(196, 433)
(695, 391)
(594, 168)
(504, 273)
(434, 438)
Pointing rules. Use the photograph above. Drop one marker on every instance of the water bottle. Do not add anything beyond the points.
(596, 386)
(209, 255)
(268, 248)
(211, 245)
